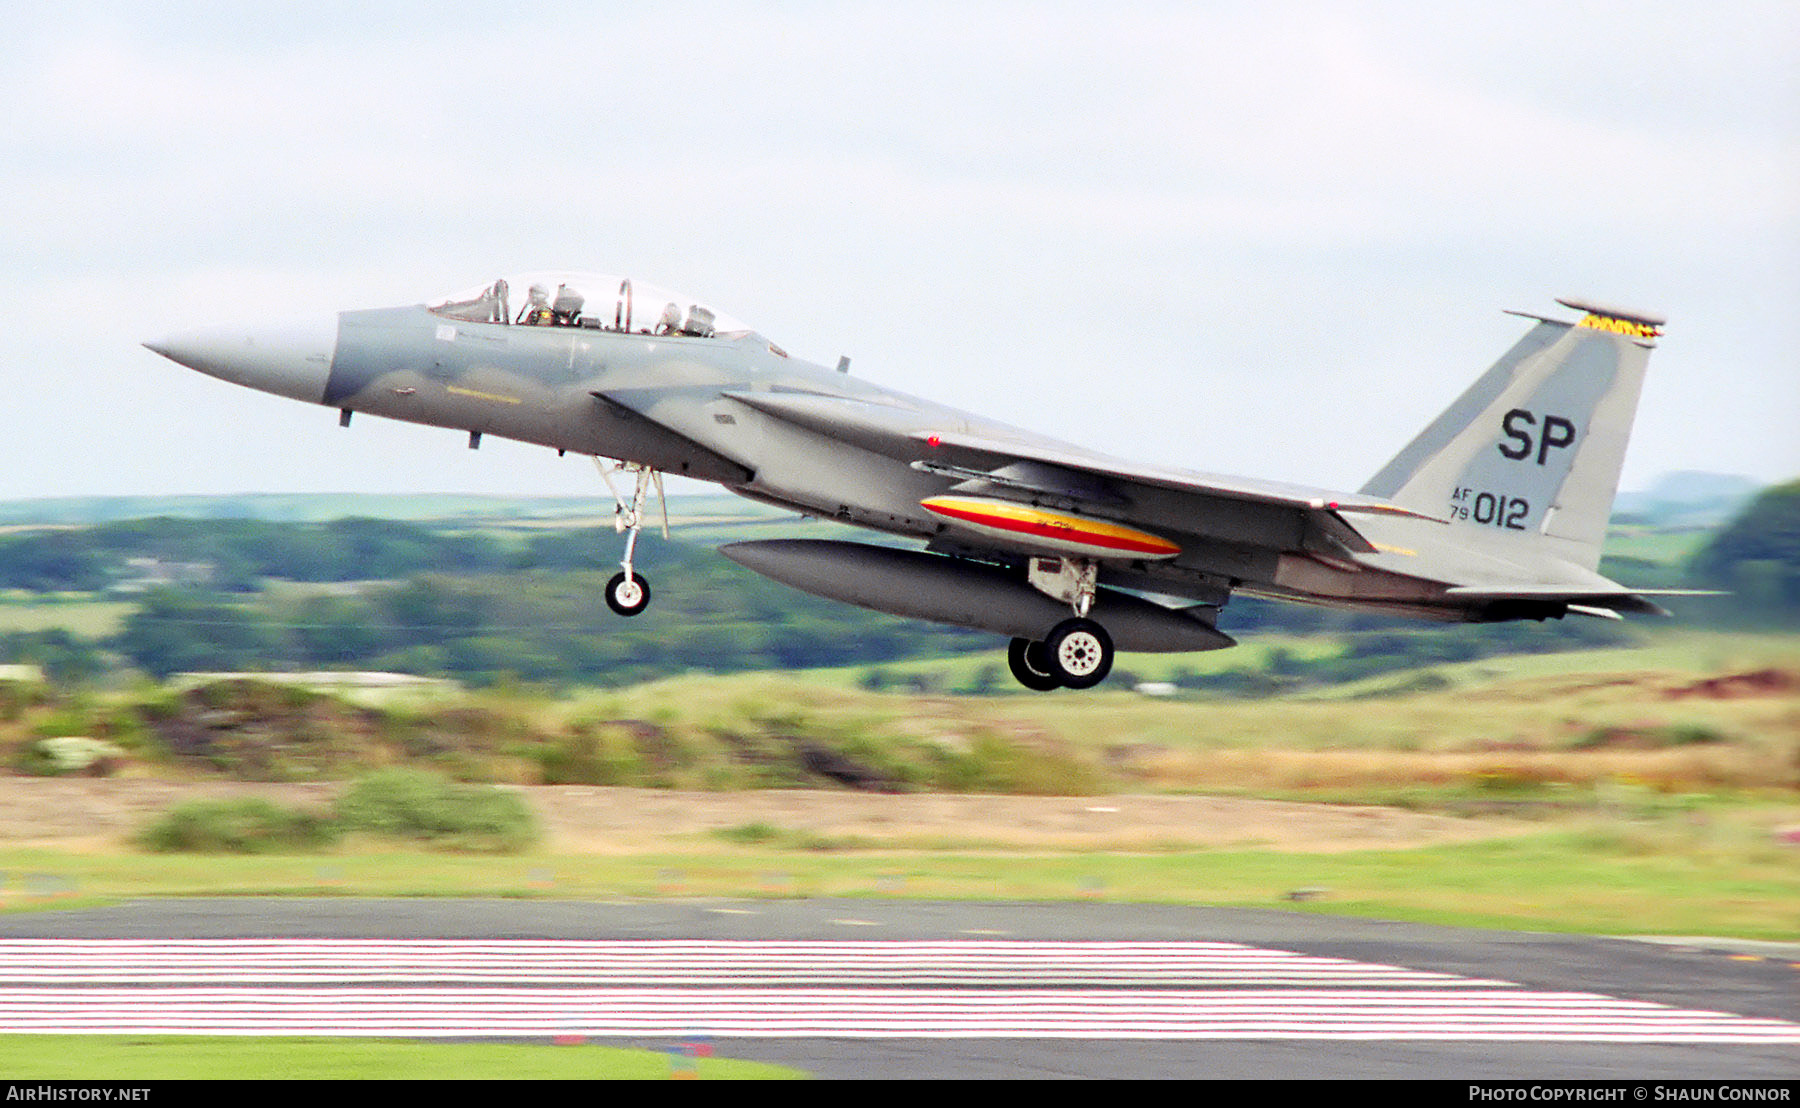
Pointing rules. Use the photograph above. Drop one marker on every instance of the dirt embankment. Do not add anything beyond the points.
(101, 812)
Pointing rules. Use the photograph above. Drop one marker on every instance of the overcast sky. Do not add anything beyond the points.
(1269, 240)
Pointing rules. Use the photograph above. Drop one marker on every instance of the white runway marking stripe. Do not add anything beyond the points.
(695, 962)
(122, 987)
(897, 1013)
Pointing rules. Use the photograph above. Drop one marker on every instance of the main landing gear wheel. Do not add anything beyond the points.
(628, 596)
(1030, 664)
(1080, 653)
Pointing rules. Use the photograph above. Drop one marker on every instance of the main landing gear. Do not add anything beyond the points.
(628, 593)
(1076, 654)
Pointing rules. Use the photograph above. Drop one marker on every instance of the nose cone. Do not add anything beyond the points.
(292, 361)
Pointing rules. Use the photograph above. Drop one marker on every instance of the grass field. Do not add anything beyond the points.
(1662, 648)
(177, 1057)
(1599, 714)
(1665, 545)
(81, 615)
(1718, 873)
(1652, 790)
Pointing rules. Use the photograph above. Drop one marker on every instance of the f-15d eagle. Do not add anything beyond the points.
(1496, 511)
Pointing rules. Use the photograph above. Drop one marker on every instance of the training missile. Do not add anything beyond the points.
(920, 585)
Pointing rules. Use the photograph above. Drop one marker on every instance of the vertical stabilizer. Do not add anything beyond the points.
(1532, 451)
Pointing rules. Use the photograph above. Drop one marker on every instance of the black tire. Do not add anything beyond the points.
(1080, 653)
(1030, 665)
(628, 598)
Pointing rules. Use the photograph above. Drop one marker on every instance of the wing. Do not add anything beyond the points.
(1099, 491)
(997, 452)
(1230, 527)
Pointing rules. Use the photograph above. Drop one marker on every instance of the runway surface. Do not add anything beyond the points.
(903, 989)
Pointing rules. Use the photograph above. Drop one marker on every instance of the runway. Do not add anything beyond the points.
(899, 989)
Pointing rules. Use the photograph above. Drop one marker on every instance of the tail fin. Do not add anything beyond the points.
(1533, 449)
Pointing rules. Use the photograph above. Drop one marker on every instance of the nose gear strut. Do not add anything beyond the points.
(628, 593)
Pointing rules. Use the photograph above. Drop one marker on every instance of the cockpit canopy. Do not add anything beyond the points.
(593, 301)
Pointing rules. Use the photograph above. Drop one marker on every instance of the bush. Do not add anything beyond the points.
(68, 754)
(597, 755)
(992, 763)
(246, 826)
(407, 804)
(749, 834)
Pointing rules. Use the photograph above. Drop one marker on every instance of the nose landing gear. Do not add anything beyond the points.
(628, 593)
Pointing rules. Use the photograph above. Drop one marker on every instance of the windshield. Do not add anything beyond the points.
(591, 300)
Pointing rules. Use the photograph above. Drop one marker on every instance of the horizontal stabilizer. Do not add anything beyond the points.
(1597, 613)
(1579, 600)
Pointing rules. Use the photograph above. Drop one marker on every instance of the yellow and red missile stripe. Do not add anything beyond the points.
(1058, 531)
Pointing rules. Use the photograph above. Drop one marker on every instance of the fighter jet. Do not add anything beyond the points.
(1495, 511)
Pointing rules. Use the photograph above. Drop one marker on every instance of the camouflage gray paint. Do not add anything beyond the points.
(1495, 511)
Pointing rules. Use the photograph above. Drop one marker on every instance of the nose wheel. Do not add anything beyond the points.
(628, 593)
(1077, 654)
